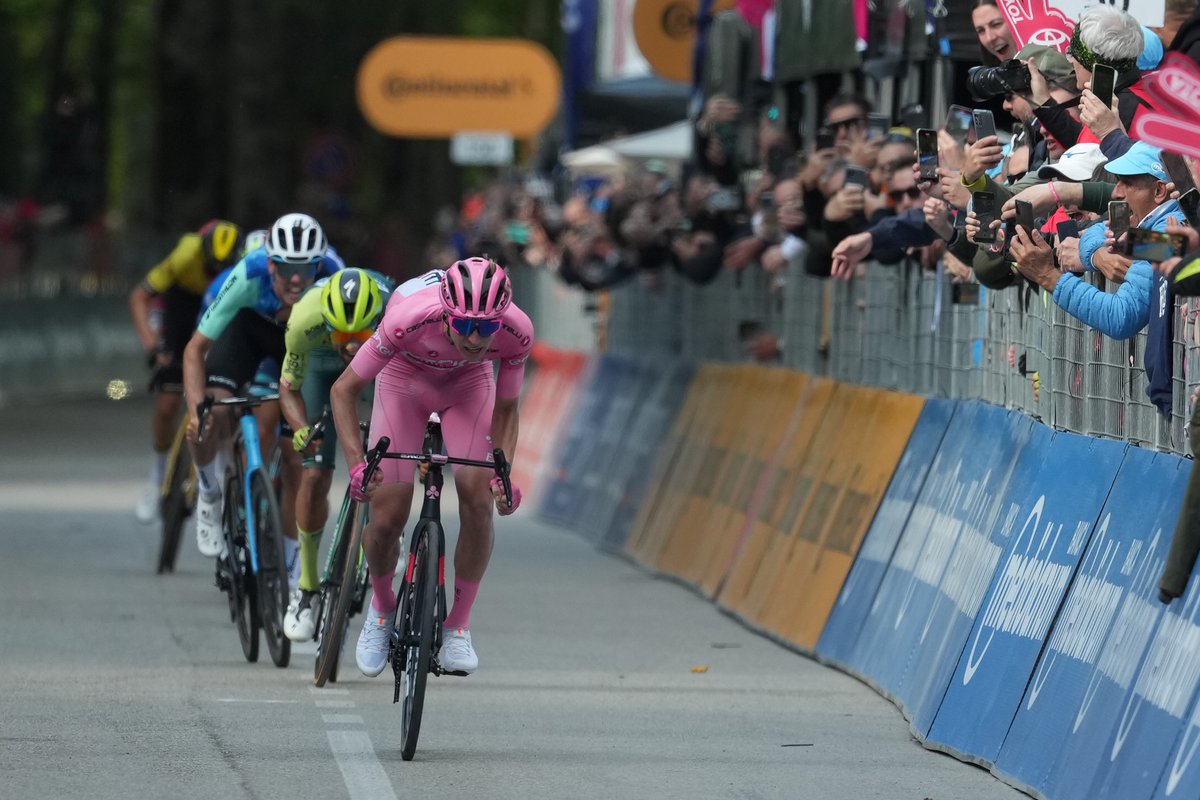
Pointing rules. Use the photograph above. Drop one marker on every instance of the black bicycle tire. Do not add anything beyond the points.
(271, 579)
(423, 594)
(173, 509)
(337, 596)
(243, 597)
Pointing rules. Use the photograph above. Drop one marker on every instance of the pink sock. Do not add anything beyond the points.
(383, 600)
(464, 598)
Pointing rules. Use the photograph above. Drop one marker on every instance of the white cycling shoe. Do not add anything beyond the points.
(373, 643)
(208, 526)
(458, 654)
(146, 510)
(300, 621)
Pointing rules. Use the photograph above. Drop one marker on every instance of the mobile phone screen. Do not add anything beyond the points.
(1189, 201)
(1067, 229)
(984, 206)
(856, 176)
(1025, 216)
(927, 153)
(877, 125)
(1144, 245)
(1178, 170)
(1118, 217)
(985, 123)
(1104, 81)
(825, 139)
(958, 122)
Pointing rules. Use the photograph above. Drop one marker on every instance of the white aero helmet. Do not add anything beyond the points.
(255, 239)
(296, 239)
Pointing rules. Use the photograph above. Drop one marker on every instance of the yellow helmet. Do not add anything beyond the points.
(350, 300)
(222, 243)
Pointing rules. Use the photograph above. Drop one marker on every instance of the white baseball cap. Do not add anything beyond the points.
(1078, 163)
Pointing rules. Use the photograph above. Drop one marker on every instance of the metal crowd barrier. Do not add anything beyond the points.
(905, 328)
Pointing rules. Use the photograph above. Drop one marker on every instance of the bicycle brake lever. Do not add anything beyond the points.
(202, 412)
(502, 469)
(373, 459)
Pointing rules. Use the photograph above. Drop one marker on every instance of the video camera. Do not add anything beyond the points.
(1007, 77)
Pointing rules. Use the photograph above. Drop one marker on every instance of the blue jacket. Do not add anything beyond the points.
(1119, 315)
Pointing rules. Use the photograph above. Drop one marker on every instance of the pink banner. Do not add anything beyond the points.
(1174, 123)
(1037, 22)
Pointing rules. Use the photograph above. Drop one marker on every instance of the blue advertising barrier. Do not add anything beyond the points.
(1047, 517)
(943, 563)
(854, 602)
(1068, 728)
(561, 502)
(639, 450)
(627, 381)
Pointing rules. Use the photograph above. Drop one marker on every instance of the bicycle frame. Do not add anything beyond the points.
(252, 448)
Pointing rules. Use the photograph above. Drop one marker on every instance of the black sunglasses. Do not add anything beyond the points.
(847, 123)
(911, 192)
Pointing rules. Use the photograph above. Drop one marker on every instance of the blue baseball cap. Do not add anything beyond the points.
(1141, 159)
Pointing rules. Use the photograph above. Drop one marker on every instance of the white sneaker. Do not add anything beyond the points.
(208, 526)
(300, 621)
(147, 507)
(457, 654)
(373, 643)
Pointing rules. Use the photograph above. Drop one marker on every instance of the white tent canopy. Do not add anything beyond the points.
(672, 143)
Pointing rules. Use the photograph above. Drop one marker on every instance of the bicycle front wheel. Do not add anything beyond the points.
(272, 572)
(234, 575)
(337, 592)
(175, 506)
(418, 618)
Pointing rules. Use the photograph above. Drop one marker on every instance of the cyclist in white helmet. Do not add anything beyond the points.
(243, 327)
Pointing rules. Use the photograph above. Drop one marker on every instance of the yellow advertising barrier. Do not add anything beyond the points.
(665, 31)
(759, 543)
(676, 467)
(838, 427)
(707, 463)
(843, 501)
(766, 413)
(433, 87)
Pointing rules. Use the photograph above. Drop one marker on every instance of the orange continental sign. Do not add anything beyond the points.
(433, 88)
(665, 31)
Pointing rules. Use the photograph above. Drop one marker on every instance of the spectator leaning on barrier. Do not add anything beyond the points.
(1141, 182)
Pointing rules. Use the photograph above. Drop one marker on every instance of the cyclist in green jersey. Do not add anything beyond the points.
(325, 330)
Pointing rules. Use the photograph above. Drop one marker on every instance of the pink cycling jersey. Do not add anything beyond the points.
(418, 370)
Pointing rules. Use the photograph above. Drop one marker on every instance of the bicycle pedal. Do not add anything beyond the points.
(456, 673)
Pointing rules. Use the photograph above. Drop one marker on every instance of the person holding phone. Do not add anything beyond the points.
(1111, 40)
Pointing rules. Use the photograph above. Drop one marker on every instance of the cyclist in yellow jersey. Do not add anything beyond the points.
(324, 331)
(179, 282)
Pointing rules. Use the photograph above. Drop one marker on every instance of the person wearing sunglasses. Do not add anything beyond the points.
(241, 333)
(326, 328)
(433, 351)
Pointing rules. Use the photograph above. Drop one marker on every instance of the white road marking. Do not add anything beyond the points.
(361, 771)
(327, 690)
(335, 704)
(71, 495)
(342, 719)
(251, 700)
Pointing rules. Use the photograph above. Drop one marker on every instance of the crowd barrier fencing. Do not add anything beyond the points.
(993, 577)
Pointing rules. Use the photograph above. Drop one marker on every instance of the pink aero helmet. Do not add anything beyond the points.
(476, 288)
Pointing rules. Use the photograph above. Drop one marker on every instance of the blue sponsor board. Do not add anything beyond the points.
(845, 623)
(1052, 505)
(968, 571)
(626, 383)
(942, 565)
(1063, 735)
(640, 449)
(561, 502)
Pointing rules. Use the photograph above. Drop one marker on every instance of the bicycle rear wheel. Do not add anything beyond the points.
(175, 506)
(272, 574)
(337, 593)
(233, 572)
(418, 618)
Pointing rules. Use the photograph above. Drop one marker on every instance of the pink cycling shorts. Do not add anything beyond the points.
(406, 395)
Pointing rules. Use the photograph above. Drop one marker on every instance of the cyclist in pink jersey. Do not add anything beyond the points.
(432, 353)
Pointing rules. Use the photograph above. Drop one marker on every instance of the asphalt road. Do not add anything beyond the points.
(596, 679)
